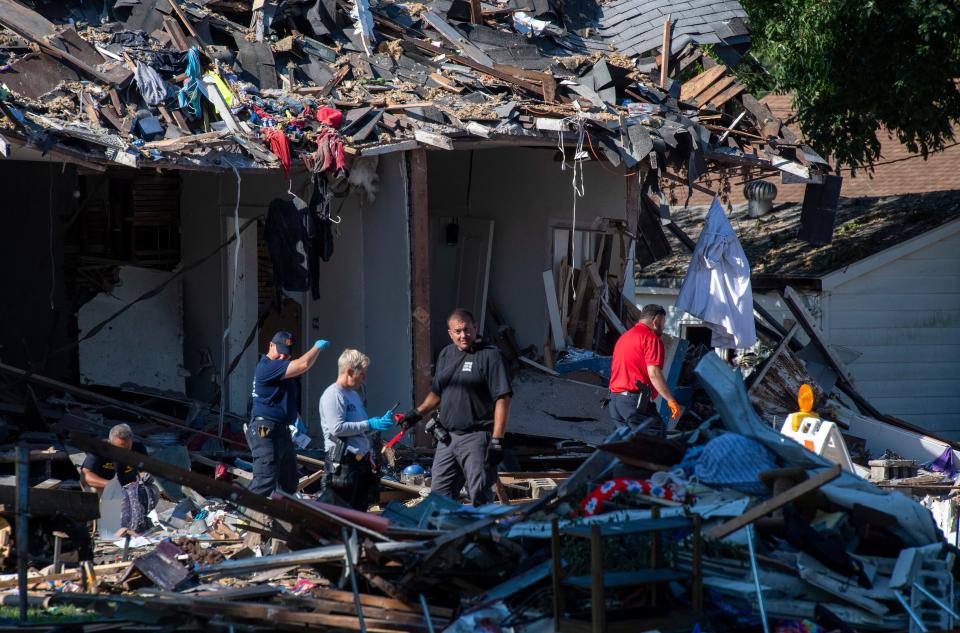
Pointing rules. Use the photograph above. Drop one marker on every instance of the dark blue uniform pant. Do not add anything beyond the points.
(274, 457)
(624, 412)
(462, 461)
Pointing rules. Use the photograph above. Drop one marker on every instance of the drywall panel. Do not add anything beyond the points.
(386, 288)
(527, 194)
(144, 345)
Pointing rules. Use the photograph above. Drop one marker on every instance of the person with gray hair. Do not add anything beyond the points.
(636, 374)
(350, 470)
(98, 471)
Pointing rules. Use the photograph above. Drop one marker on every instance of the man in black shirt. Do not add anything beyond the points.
(472, 381)
(98, 471)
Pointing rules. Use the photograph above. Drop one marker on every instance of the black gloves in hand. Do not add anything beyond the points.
(408, 419)
(494, 453)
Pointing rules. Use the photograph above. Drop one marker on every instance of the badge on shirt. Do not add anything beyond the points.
(467, 366)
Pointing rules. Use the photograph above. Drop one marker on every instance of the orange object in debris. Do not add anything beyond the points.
(805, 398)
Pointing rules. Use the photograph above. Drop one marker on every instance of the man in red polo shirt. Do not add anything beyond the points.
(638, 368)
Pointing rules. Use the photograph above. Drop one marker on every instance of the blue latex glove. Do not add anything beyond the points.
(382, 423)
(321, 344)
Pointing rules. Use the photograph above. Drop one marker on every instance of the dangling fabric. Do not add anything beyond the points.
(150, 84)
(716, 288)
(189, 95)
(320, 238)
(285, 242)
(279, 144)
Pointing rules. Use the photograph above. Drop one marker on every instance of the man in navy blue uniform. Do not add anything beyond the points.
(275, 392)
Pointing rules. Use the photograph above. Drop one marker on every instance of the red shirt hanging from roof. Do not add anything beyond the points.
(636, 349)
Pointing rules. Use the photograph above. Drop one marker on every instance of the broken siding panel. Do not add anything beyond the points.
(904, 318)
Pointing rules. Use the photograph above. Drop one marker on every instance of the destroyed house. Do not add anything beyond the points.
(201, 174)
(884, 293)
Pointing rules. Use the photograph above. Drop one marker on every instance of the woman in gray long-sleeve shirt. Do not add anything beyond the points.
(350, 469)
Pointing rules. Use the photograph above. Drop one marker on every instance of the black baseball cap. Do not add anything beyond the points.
(284, 341)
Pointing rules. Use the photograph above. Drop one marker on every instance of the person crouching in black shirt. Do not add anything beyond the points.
(472, 382)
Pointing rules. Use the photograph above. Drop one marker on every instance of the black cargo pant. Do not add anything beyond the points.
(461, 461)
(353, 482)
(274, 457)
(625, 412)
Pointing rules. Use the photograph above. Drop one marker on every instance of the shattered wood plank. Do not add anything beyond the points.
(183, 18)
(465, 61)
(611, 317)
(431, 138)
(691, 89)
(703, 98)
(25, 22)
(446, 83)
(177, 37)
(74, 574)
(457, 39)
(334, 81)
(726, 95)
(762, 509)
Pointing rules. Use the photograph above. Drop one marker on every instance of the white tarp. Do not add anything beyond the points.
(716, 288)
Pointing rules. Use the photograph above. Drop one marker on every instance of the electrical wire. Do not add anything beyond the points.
(233, 297)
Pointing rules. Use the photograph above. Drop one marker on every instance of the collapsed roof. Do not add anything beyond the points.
(224, 84)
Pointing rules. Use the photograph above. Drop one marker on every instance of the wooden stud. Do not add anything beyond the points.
(665, 65)
(419, 279)
(768, 506)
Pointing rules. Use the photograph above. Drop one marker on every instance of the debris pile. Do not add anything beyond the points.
(223, 85)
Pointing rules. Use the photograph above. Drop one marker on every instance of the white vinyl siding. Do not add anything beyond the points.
(904, 318)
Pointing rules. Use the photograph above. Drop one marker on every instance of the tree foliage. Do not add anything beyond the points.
(855, 67)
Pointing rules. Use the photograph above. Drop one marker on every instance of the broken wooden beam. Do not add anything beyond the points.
(762, 509)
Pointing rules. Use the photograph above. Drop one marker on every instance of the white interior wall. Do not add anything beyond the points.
(904, 318)
(527, 195)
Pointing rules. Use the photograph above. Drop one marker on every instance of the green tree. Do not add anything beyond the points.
(856, 66)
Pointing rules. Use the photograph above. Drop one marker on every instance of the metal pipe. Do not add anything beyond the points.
(756, 579)
(325, 554)
(940, 603)
(913, 616)
(23, 531)
(348, 543)
(426, 613)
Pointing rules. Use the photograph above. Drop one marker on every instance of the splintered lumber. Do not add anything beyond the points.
(694, 87)
(714, 90)
(73, 574)
(725, 96)
(455, 38)
(762, 509)
(553, 308)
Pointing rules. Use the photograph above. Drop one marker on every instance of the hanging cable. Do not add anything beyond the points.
(233, 298)
(578, 191)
